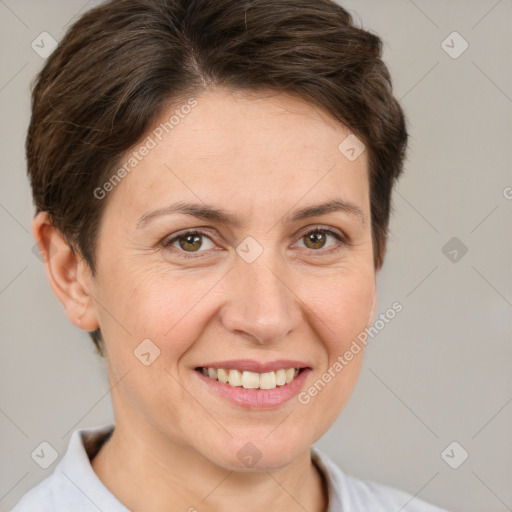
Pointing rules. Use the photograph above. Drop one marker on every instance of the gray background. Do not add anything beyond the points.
(438, 373)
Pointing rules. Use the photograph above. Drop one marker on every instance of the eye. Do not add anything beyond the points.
(316, 239)
(188, 242)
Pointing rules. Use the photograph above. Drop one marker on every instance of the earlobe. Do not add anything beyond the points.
(66, 272)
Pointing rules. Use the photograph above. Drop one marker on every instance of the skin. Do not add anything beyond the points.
(259, 156)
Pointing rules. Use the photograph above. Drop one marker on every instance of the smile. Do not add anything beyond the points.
(252, 380)
(252, 390)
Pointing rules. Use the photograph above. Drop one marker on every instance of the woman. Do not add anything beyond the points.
(212, 182)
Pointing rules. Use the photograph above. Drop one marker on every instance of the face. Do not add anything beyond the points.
(256, 287)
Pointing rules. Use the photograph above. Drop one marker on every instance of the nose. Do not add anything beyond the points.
(261, 304)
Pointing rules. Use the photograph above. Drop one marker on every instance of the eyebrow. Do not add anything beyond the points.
(206, 212)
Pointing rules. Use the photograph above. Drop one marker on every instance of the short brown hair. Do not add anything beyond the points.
(121, 63)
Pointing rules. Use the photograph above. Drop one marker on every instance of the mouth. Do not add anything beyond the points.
(253, 385)
(251, 380)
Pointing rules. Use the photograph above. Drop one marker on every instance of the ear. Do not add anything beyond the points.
(68, 273)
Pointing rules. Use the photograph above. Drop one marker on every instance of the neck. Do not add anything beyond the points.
(146, 472)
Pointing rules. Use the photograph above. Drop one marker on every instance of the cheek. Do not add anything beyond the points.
(341, 304)
(340, 310)
(160, 305)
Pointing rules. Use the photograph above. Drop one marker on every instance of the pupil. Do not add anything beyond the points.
(317, 238)
(191, 240)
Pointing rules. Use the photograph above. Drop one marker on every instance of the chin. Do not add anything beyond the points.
(266, 452)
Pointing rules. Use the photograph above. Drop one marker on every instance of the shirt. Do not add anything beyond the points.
(74, 486)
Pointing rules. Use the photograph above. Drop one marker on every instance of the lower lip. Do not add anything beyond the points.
(256, 398)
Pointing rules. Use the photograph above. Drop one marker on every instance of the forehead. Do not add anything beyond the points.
(231, 123)
(253, 149)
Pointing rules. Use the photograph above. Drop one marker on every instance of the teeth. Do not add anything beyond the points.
(235, 378)
(222, 375)
(289, 374)
(252, 380)
(268, 380)
(281, 377)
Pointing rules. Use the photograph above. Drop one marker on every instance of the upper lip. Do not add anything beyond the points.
(250, 365)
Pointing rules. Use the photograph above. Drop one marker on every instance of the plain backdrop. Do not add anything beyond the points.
(439, 373)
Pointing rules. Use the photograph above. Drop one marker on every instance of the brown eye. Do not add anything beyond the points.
(189, 242)
(317, 239)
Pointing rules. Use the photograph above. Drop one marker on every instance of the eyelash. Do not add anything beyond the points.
(341, 239)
